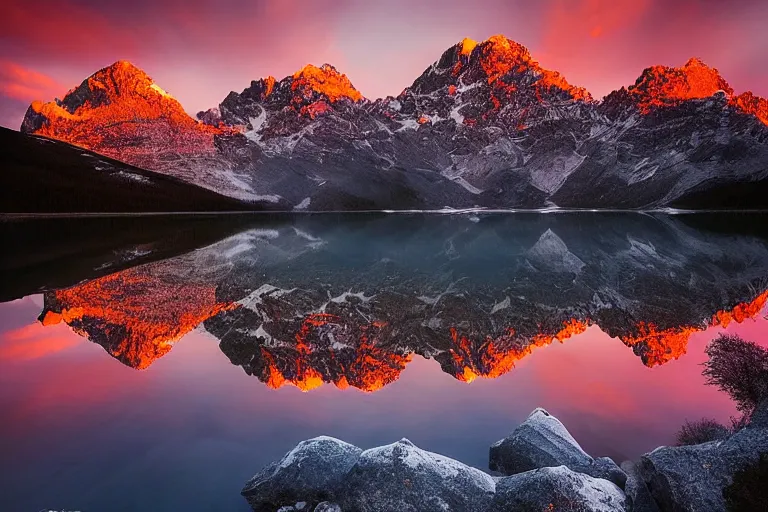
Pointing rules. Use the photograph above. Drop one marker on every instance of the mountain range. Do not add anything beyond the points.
(484, 126)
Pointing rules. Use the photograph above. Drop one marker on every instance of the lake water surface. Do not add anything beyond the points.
(157, 363)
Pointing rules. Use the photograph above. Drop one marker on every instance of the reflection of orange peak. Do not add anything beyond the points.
(325, 80)
(489, 360)
(370, 370)
(663, 345)
(741, 312)
(135, 316)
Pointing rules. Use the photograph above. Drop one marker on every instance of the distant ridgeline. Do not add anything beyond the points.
(484, 126)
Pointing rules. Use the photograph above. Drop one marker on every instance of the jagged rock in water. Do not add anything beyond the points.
(543, 441)
(309, 473)
(685, 478)
(557, 488)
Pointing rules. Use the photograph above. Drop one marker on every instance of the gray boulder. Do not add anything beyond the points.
(557, 488)
(638, 496)
(308, 474)
(543, 441)
(402, 477)
(692, 478)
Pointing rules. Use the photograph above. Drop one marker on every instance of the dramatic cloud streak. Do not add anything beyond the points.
(199, 50)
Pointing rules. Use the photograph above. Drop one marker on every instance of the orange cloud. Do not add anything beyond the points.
(25, 84)
(33, 342)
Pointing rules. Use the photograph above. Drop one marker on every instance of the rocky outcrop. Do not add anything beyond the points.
(327, 475)
(686, 478)
(401, 476)
(639, 497)
(557, 488)
(308, 474)
(543, 442)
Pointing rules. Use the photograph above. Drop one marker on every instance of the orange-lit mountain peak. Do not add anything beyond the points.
(466, 46)
(660, 86)
(117, 109)
(751, 104)
(325, 80)
(269, 84)
(501, 57)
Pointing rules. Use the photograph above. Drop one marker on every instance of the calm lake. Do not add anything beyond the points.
(157, 363)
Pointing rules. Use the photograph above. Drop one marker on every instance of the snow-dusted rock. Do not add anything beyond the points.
(401, 476)
(557, 488)
(686, 478)
(543, 441)
(327, 506)
(307, 474)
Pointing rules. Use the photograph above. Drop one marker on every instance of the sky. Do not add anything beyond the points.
(200, 50)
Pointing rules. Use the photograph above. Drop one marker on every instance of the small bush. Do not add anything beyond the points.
(701, 431)
(749, 490)
(739, 368)
(738, 423)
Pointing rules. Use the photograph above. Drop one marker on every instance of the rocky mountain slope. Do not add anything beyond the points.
(484, 126)
(40, 175)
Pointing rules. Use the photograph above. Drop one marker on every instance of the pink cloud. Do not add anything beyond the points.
(21, 83)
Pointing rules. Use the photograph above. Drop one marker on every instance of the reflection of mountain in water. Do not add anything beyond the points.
(349, 300)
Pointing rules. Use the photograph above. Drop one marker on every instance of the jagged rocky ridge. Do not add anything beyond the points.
(484, 126)
(544, 469)
(308, 301)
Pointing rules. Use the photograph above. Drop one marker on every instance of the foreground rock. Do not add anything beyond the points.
(685, 478)
(307, 474)
(639, 498)
(328, 475)
(557, 488)
(542, 441)
(401, 476)
(547, 470)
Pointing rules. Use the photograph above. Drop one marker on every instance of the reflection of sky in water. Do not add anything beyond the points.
(82, 431)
